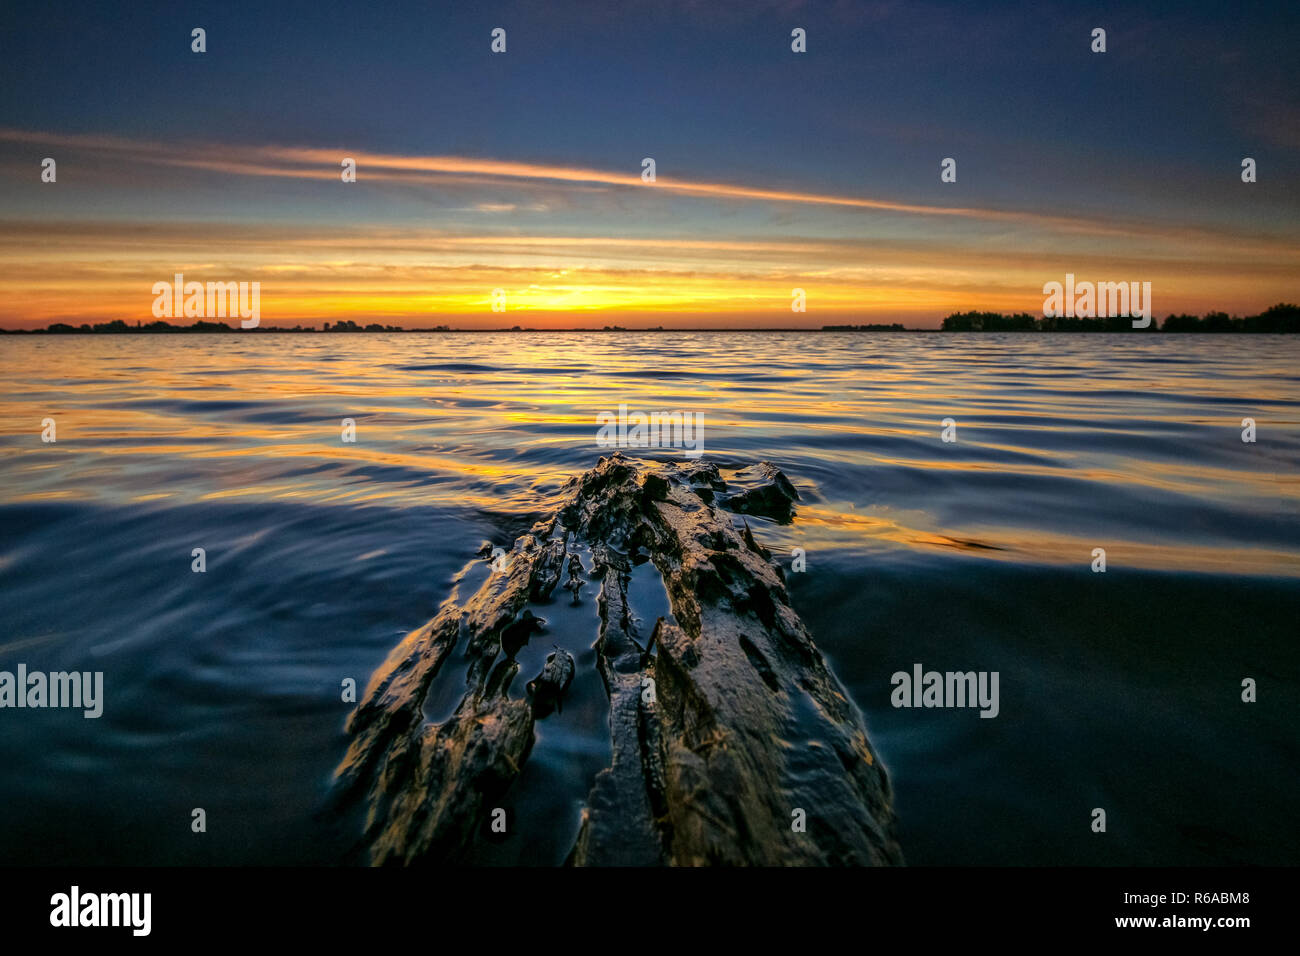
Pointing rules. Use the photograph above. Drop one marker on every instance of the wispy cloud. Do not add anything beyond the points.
(443, 170)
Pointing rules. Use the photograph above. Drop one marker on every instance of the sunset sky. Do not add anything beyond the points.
(522, 170)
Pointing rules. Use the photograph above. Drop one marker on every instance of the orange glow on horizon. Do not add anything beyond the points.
(901, 262)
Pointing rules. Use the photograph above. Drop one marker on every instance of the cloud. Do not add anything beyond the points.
(441, 170)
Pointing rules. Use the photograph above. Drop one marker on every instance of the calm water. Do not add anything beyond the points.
(1118, 690)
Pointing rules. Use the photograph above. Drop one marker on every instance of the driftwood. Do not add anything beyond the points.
(732, 742)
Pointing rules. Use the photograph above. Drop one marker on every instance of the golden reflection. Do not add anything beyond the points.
(497, 424)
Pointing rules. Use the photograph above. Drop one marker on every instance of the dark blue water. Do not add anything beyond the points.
(1119, 690)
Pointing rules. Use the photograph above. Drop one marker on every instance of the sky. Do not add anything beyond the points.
(521, 171)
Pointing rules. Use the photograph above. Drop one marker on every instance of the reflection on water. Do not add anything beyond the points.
(1119, 690)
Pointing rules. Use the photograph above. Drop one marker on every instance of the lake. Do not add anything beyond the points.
(1119, 690)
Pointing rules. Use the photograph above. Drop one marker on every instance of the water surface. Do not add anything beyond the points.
(1118, 690)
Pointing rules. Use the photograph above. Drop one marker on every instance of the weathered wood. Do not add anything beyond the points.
(723, 727)
(427, 786)
(747, 723)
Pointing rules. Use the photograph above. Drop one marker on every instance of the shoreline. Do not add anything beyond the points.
(274, 330)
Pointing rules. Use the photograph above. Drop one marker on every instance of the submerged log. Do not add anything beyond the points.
(427, 786)
(732, 742)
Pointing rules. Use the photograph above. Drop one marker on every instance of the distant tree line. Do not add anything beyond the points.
(345, 325)
(117, 327)
(1282, 317)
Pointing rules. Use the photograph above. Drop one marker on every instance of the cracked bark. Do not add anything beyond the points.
(724, 725)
